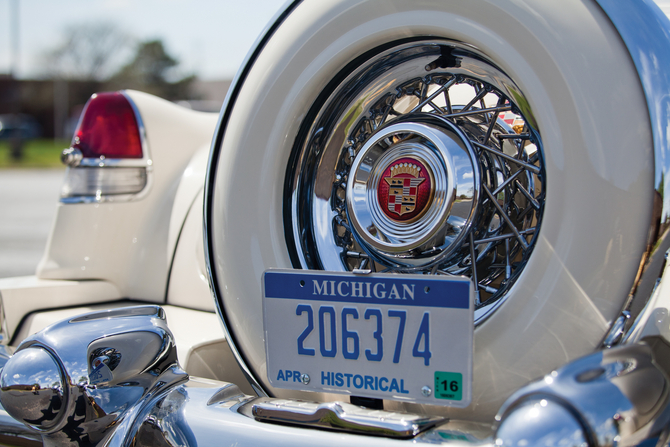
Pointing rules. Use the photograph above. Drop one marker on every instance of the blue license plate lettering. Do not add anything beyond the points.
(301, 309)
(377, 335)
(327, 321)
(423, 336)
(402, 316)
(351, 340)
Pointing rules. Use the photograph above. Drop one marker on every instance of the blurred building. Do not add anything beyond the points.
(56, 104)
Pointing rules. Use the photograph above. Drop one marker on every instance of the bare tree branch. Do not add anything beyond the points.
(90, 52)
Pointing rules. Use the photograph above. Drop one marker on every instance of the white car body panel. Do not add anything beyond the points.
(189, 284)
(126, 243)
(190, 185)
(26, 294)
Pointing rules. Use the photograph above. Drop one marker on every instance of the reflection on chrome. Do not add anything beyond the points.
(451, 182)
(644, 29)
(619, 396)
(79, 380)
(32, 388)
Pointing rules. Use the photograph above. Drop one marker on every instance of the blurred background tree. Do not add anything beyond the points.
(89, 58)
(89, 52)
(93, 53)
(154, 71)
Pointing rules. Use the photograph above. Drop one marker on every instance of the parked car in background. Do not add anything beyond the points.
(18, 125)
(412, 222)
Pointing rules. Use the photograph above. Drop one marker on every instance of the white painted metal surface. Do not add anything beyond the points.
(190, 185)
(25, 294)
(127, 243)
(189, 284)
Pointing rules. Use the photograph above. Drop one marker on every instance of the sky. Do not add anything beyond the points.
(208, 37)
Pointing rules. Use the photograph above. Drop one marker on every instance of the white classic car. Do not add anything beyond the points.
(413, 222)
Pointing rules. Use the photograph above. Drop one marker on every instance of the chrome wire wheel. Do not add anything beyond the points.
(422, 157)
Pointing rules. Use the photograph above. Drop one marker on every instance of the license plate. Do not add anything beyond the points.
(387, 336)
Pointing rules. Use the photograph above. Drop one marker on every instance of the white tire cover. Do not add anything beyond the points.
(583, 88)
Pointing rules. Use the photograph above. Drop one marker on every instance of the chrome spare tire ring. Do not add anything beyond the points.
(423, 157)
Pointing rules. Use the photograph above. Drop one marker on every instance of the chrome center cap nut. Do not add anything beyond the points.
(412, 191)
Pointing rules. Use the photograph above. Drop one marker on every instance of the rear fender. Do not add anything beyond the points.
(127, 243)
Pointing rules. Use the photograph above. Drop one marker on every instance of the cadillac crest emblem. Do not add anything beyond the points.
(405, 190)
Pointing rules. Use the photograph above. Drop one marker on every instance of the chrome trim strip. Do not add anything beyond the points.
(645, 30)
(146, 155)
(103, 162)
(226, 110)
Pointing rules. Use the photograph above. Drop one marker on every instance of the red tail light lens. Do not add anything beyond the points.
(108, 128)
(106, 161)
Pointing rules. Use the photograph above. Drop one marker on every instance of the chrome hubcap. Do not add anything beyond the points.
(425, 157)
(412, 192)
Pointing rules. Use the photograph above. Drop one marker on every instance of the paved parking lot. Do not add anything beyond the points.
(28, 200)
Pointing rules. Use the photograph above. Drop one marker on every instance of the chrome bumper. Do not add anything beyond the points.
(112, 378)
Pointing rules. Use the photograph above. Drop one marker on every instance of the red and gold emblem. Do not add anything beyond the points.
(406, 189)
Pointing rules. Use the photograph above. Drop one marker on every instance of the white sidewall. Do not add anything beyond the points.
(581, 84)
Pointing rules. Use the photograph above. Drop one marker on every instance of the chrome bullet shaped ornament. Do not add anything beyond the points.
(75, 381)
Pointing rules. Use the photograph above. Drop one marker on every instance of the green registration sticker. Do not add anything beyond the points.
(448, 385)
